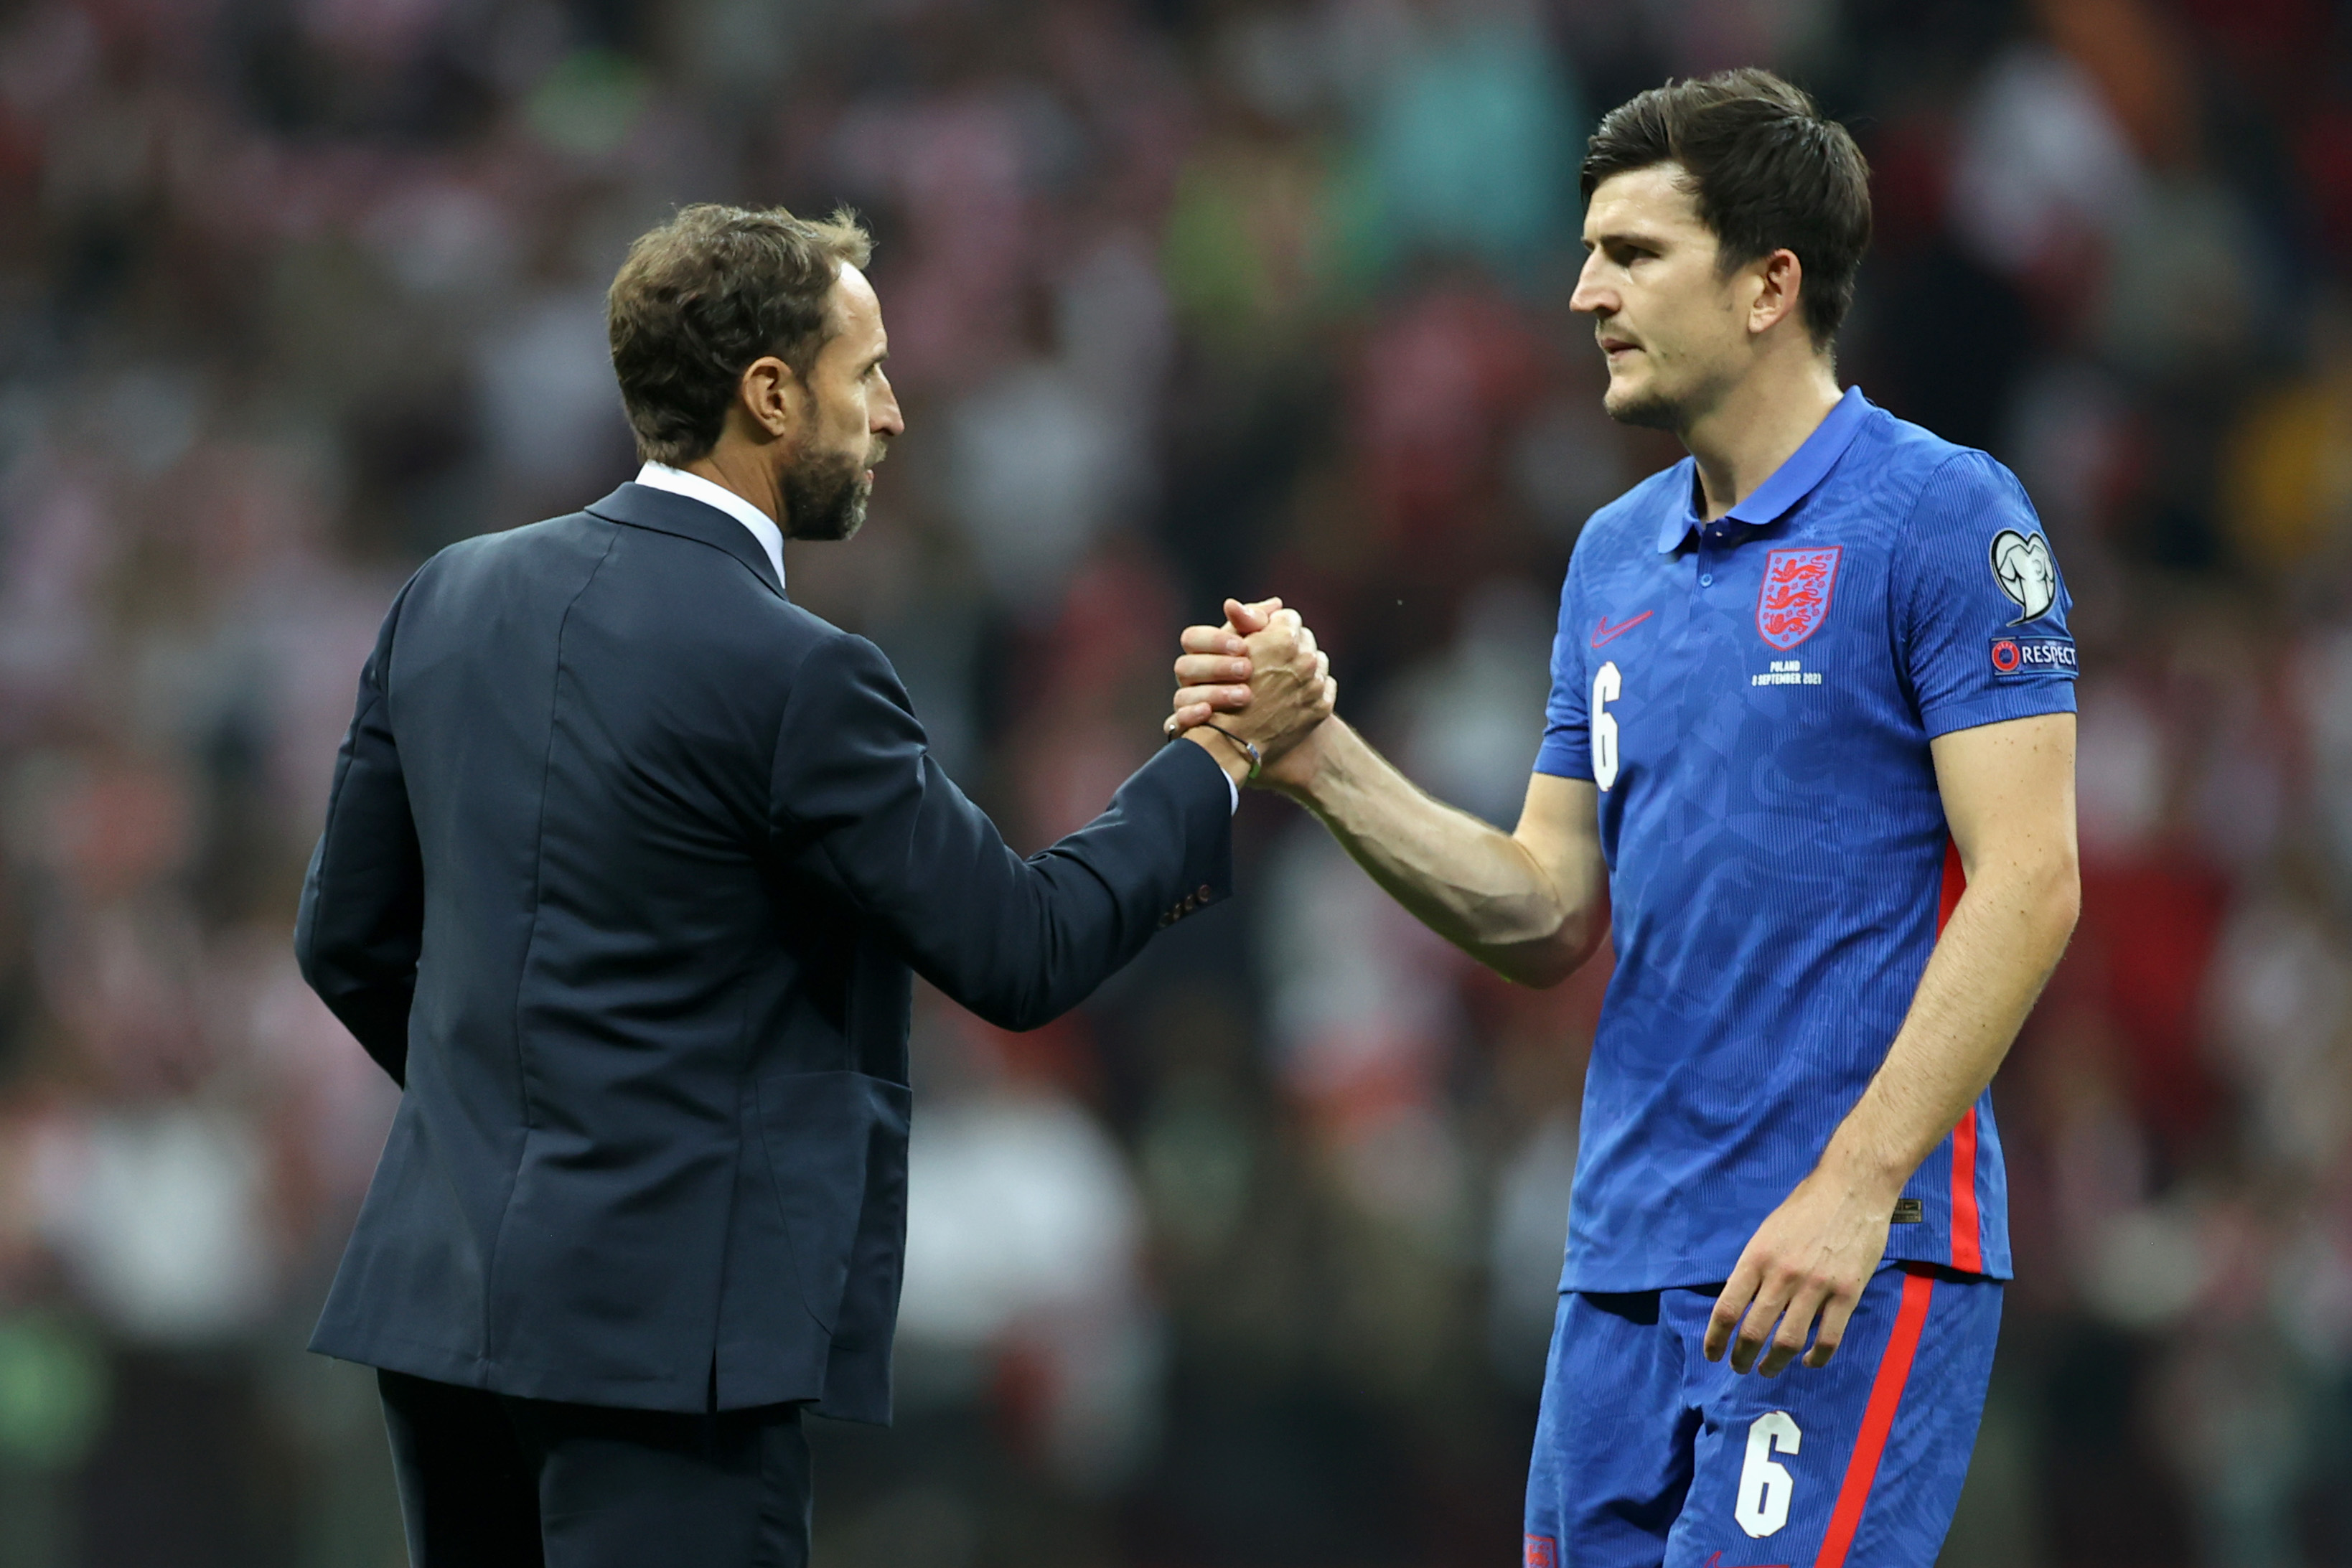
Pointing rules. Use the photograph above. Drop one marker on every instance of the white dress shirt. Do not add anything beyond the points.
(678, 482)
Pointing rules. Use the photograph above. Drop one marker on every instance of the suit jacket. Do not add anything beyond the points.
(627, 863)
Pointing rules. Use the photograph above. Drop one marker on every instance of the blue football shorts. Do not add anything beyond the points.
(1646, 1453)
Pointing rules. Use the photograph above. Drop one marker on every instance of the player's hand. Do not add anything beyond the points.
(1811, 1258)
(1212, 676)
(1262, 672)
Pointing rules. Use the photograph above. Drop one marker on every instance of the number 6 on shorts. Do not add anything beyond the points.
(1765, 1484)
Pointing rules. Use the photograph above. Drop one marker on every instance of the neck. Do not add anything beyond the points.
(746, 472)
(1756, 425)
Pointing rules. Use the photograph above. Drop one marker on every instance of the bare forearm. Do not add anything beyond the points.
(1989, 967)
(1476, 886)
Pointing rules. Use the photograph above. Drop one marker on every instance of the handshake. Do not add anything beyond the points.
(1255, 692)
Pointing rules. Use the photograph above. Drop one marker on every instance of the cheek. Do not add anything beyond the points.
(850, 416)
(1697, 331)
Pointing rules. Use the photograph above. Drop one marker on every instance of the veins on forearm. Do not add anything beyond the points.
(1474, 884)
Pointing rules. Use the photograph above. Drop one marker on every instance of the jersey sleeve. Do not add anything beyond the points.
(1980, 606)
(1567, 749)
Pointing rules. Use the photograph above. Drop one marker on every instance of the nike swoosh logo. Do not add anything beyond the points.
(1605, 633)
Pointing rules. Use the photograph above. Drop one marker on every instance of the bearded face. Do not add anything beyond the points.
(851, 416)
(825, 495)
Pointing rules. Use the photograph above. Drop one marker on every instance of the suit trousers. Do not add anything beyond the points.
(488, 1480)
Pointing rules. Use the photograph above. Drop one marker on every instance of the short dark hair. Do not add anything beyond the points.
(1768, 170)
(702, 297)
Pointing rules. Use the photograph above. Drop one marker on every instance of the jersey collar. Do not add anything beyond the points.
(1791, 482)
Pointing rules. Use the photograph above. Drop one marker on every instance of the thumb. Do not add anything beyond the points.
(1249, 618)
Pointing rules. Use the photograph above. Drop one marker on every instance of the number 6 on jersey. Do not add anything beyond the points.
(1606, 687)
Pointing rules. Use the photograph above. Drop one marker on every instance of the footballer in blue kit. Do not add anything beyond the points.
(1808, 759)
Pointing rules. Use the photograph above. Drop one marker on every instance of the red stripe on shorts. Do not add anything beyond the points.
(1877, 1420)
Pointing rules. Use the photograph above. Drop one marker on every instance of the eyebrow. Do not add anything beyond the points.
(1646, 238)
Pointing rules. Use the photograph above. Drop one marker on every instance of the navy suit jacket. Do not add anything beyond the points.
(627, 865)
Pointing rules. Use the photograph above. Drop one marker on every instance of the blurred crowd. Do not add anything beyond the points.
(1251, 1260)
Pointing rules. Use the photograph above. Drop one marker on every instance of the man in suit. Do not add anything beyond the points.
(626, 870)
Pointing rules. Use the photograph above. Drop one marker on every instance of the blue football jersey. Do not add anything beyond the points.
(1754, 698)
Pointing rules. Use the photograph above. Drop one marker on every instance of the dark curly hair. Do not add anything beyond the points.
(706, 293)
(1767, 168)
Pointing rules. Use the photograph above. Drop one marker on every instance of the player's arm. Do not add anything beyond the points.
(1531, 904)
(2008, 796)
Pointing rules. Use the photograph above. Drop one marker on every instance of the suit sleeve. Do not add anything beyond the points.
(363, 915)
(858, 802)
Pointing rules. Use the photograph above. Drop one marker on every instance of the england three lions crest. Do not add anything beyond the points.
(1795, 598)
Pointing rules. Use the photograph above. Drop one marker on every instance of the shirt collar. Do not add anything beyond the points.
(1791, 482)
(695, 488)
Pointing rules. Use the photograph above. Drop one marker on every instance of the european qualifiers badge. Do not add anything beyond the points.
(2021, 565)
(1795, 598)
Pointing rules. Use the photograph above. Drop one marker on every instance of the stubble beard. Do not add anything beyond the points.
(1649, 410)
(824, 497)
(1651, 407)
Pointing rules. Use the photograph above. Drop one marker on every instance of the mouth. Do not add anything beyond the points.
(1616, 348)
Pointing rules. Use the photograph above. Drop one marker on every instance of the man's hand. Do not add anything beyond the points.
(1810, 1257)
(1278, 684)
(1236, 668)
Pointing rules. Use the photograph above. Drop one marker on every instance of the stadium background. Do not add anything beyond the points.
(1250, 1261)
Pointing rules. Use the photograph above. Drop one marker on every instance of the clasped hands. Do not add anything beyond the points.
(1258, 679)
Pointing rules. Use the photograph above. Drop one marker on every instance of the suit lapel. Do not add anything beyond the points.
(642, 506)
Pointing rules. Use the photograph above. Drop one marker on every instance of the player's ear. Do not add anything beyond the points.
(1779, 278)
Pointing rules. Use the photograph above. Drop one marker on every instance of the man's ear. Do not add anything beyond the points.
(773, 397)
(1779, 278)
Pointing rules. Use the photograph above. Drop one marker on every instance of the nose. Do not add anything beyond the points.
(1590, 296)
(884, 418)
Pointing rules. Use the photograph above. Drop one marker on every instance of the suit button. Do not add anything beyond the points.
(1205, 895)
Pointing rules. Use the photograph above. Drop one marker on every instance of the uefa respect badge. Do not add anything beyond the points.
(2029, 658)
